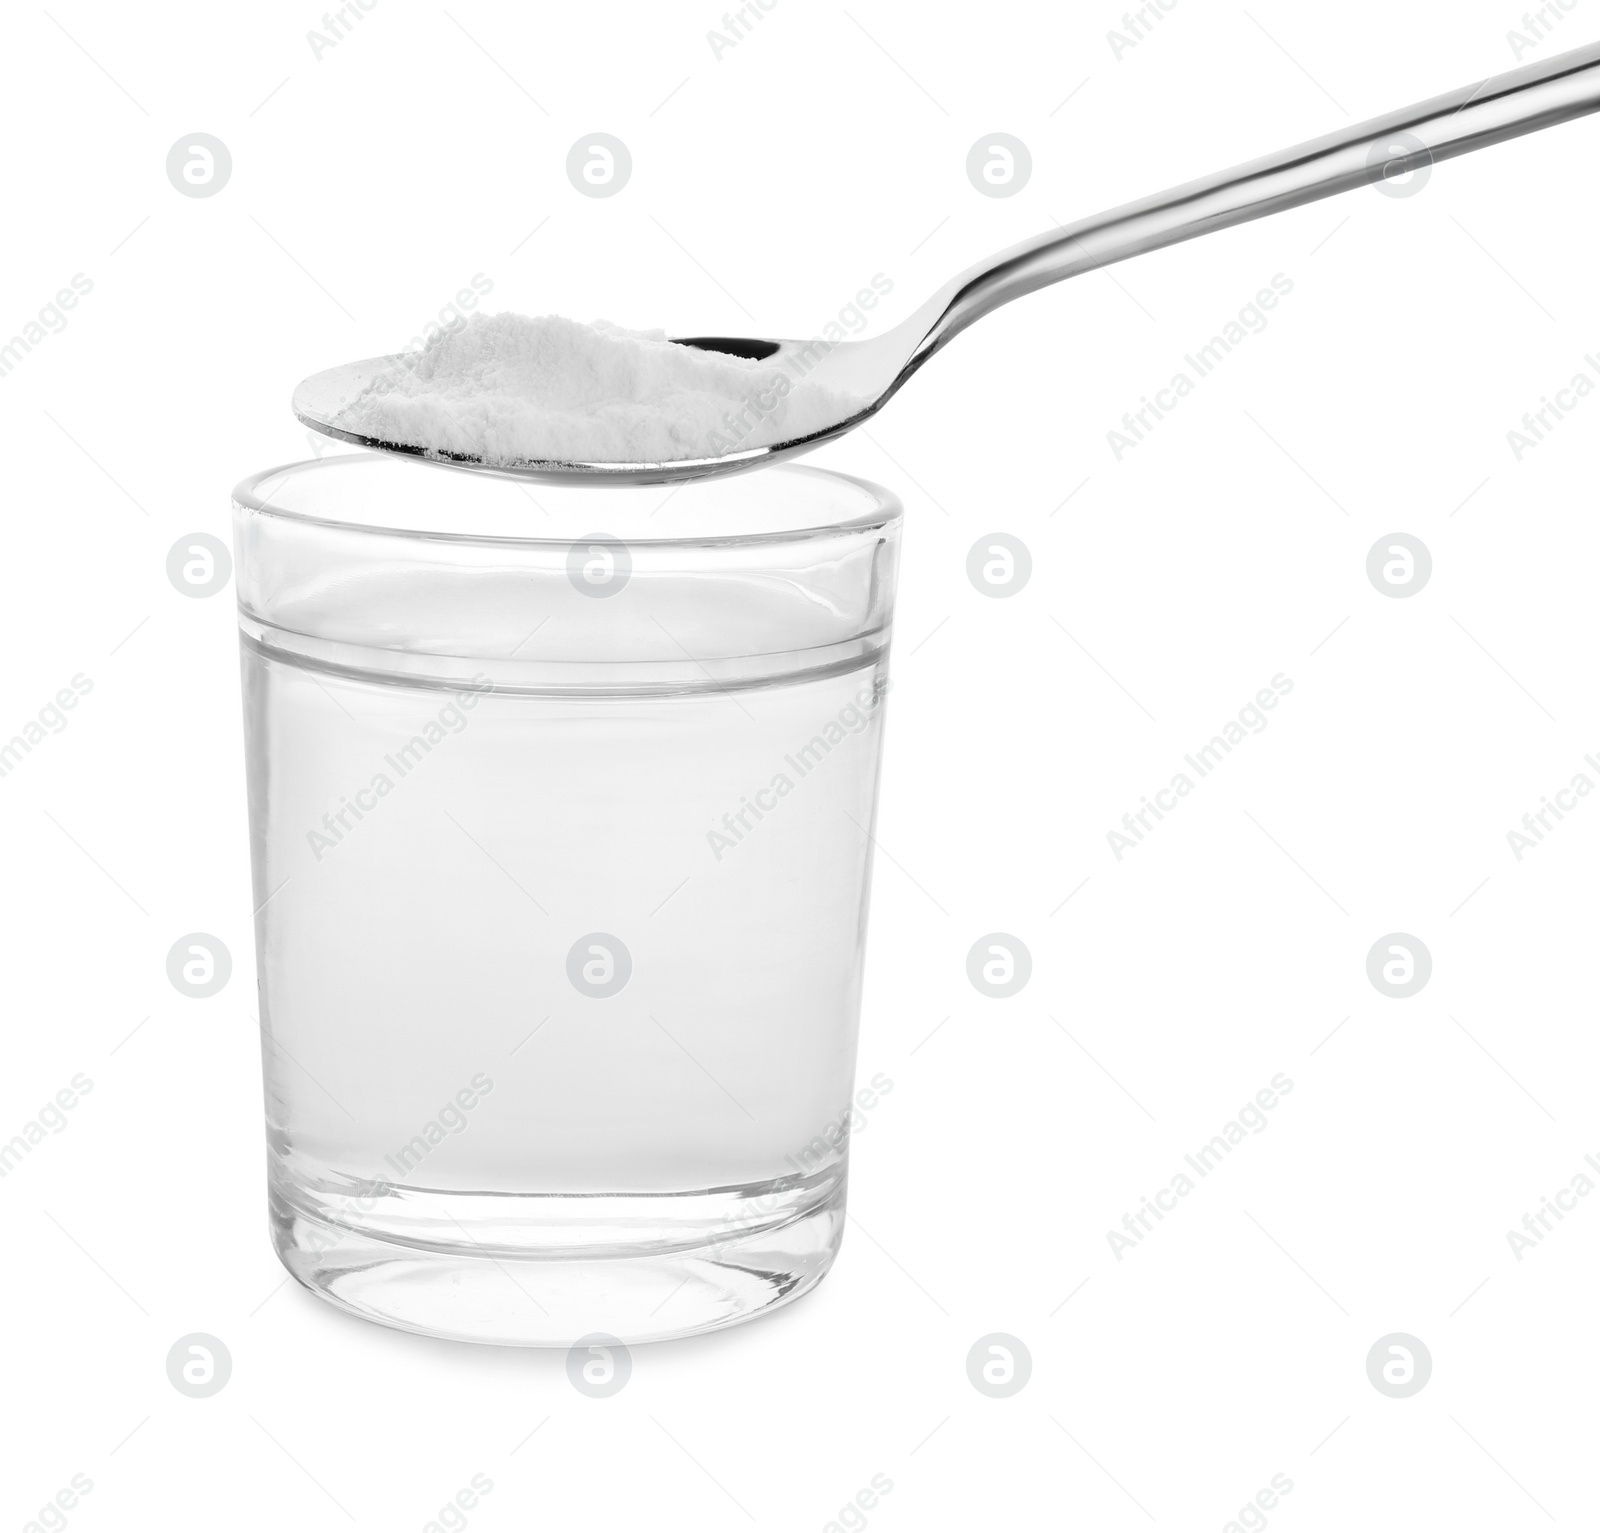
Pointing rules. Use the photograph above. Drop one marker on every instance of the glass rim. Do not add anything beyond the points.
(248, 494)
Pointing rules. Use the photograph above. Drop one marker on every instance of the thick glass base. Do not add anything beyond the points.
(544, 1270)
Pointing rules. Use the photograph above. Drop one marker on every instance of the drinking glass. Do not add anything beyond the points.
(561, 810)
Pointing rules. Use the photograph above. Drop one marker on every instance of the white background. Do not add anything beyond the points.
(769, 185)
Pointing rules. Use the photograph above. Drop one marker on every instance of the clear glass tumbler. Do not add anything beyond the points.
(561, 850)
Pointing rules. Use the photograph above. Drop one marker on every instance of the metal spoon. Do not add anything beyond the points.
(1386, 148)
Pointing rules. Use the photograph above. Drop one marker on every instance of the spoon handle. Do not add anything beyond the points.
(1501, 107)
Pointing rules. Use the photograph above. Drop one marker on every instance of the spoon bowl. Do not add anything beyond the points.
(320, 399)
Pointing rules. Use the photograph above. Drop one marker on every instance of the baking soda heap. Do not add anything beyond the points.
(509, 389)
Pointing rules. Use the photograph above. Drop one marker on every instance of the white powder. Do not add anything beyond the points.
(506, 388)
